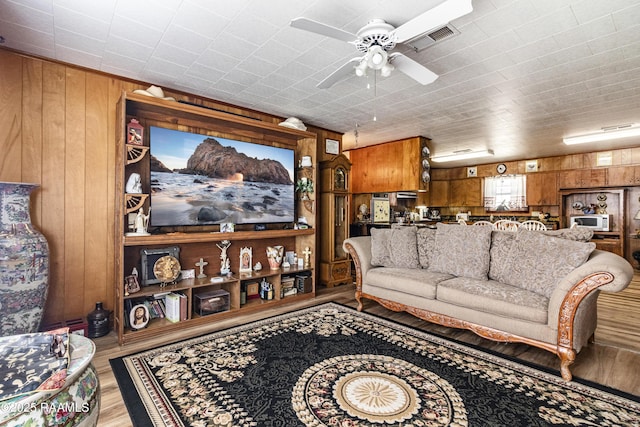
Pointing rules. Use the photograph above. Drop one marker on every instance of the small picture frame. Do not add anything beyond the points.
(135, 132)
(139, 316)
(227, 227)
(289, 256)
(246, 259)
(472, 172)
(531, 166)
(131, 284)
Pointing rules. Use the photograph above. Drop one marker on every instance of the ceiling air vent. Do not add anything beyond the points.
(432, 37)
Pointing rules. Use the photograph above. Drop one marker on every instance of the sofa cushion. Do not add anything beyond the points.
(380, 250)
(413, 281)
(461, 251)
(579, 234)
(490, 296)
(537, 262)
(426, 240)
(501, 243)
(403, 247)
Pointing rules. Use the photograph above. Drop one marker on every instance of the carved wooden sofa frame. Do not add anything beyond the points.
(564, 348)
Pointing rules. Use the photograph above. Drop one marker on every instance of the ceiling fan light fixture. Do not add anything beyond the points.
(461, 155)
(617, 132)
(361, 68)
(386, 70)
(376, 57)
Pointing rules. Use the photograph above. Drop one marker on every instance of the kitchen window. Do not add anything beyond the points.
(505, 193)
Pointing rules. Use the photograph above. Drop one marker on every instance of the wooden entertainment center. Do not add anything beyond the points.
(196, 242)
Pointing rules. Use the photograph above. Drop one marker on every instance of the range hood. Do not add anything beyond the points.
(406, 195)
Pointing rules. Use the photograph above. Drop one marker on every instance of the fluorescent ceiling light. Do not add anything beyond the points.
(462, 155)
(604, 135)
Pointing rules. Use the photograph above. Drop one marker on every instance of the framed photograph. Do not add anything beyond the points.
(139, 316)
(246, 260)
(227, 227)
(148, 259)
(131, 284)
(531, 166)
(331, 146)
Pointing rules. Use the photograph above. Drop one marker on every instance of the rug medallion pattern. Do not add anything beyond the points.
(333, 366)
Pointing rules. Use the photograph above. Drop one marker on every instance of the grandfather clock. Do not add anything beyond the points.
(335, 265)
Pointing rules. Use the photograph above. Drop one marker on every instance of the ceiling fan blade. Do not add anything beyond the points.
(322, 29)
(339, 74)
(412, 69)
(432, 18)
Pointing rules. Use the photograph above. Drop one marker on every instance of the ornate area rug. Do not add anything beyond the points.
(330, 365)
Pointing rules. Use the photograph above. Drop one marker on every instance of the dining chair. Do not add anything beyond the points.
(533, 225)
(506, 225)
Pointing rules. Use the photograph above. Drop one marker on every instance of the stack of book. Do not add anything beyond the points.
(288, 286)
(176, 307)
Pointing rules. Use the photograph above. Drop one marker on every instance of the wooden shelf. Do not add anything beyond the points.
(184, 238)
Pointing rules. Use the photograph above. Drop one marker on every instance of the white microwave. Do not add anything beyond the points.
(596, 222)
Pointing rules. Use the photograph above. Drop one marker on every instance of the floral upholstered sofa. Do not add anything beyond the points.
(534, 287)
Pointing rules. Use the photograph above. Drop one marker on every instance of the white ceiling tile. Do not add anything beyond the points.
(72, 40)
(130, 29)
(520, 75)
(200, 20)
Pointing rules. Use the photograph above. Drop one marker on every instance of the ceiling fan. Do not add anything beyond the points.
(378, 38)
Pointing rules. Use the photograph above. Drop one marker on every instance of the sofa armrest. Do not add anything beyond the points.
(360, 250)
(599, 262)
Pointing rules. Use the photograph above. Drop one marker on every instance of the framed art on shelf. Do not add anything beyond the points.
(148, 259)
(245, 260)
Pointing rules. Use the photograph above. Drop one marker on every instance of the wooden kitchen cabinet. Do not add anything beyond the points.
(439, 194)
(623, 175)
(465, 192)
(582, 178)
(542, 188)
(388, 167)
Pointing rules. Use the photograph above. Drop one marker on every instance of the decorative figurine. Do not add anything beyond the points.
(134, 184)
(307, 257)
(140, 224)
(201, 264)
(224, 261)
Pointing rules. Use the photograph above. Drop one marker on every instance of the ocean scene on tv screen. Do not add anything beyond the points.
(201, 180)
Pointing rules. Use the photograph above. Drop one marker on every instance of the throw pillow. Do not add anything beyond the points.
(380, 251)
(578, 234)
(404, 247)
(537, 262)
(501, 243)
(426, 239)
(462, 251)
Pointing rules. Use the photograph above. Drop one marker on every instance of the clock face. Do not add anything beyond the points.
(167, 268)
(501, 168)
(341, 179)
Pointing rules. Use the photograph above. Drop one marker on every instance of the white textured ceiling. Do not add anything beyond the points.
(520, 75)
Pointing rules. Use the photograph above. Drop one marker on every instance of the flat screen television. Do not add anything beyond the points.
(201, 180)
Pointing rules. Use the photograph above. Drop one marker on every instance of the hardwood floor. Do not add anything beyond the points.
(612, 360)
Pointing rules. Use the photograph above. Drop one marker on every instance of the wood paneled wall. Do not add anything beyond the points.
(57, 129)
